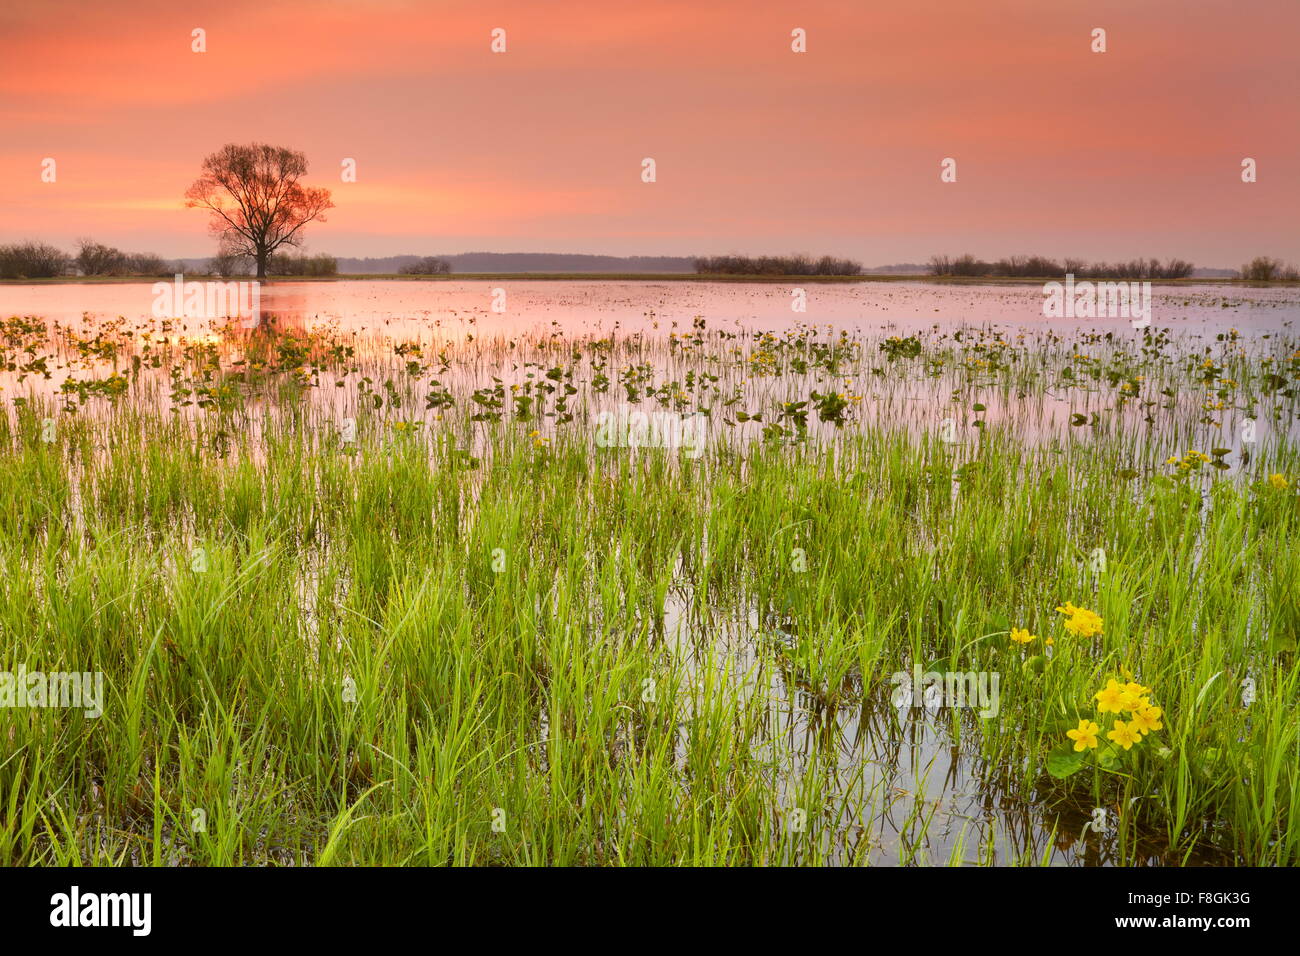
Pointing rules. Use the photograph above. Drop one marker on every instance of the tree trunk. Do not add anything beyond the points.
(261, 265)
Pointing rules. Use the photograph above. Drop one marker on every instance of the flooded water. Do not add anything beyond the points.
(498, 338)
(912, 788)
(401, 308)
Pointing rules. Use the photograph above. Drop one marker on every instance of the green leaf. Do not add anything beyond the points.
(1065, 760)
(1108, 757)
(1201, 696)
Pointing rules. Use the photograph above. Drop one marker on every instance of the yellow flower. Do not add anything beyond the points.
(1080, 621)
(1050, 642)
(1085, 736)
(1110, 698)
(1134, 697)
(1147, 719)
(1278, 481)
(1131, 702)
(1021, 636)
(1126, 735)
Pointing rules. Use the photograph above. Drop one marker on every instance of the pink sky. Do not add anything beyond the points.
(1060, 151)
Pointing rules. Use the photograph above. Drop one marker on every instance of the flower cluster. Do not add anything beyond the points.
(1080, 621)
(1117, 698)
(1193, 459)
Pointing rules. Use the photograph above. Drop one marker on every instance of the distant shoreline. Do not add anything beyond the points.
(644, 277)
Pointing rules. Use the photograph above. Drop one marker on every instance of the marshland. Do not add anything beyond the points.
(365, 588)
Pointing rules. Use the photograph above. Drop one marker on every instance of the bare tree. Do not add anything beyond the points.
(256, 200)
(148, 264)
(32, 260)
(428, 266)
(96, 259)
(1261, 269)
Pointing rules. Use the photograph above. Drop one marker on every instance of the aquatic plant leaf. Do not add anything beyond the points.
(1064, 761)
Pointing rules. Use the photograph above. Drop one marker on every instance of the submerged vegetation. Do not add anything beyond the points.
(359, 600)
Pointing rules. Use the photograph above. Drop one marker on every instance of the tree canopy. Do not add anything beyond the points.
(256, 199)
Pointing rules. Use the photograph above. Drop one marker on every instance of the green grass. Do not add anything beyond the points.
(457, 642)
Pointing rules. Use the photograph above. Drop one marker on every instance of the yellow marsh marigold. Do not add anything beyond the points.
(1126, 735)
(1128, 701)
(1080, 621)
(1110, 699)
(1085, 736)
(1147, 720)
(1278, 481)
(1133, 698)
(1022, 636)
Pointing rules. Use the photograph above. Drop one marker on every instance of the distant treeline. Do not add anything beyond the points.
(38, 260)
(1037, 267)
(283, 264)
(428, 266)
(1266, 269)
(542, 262)
(279, 264)
(796, 265)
